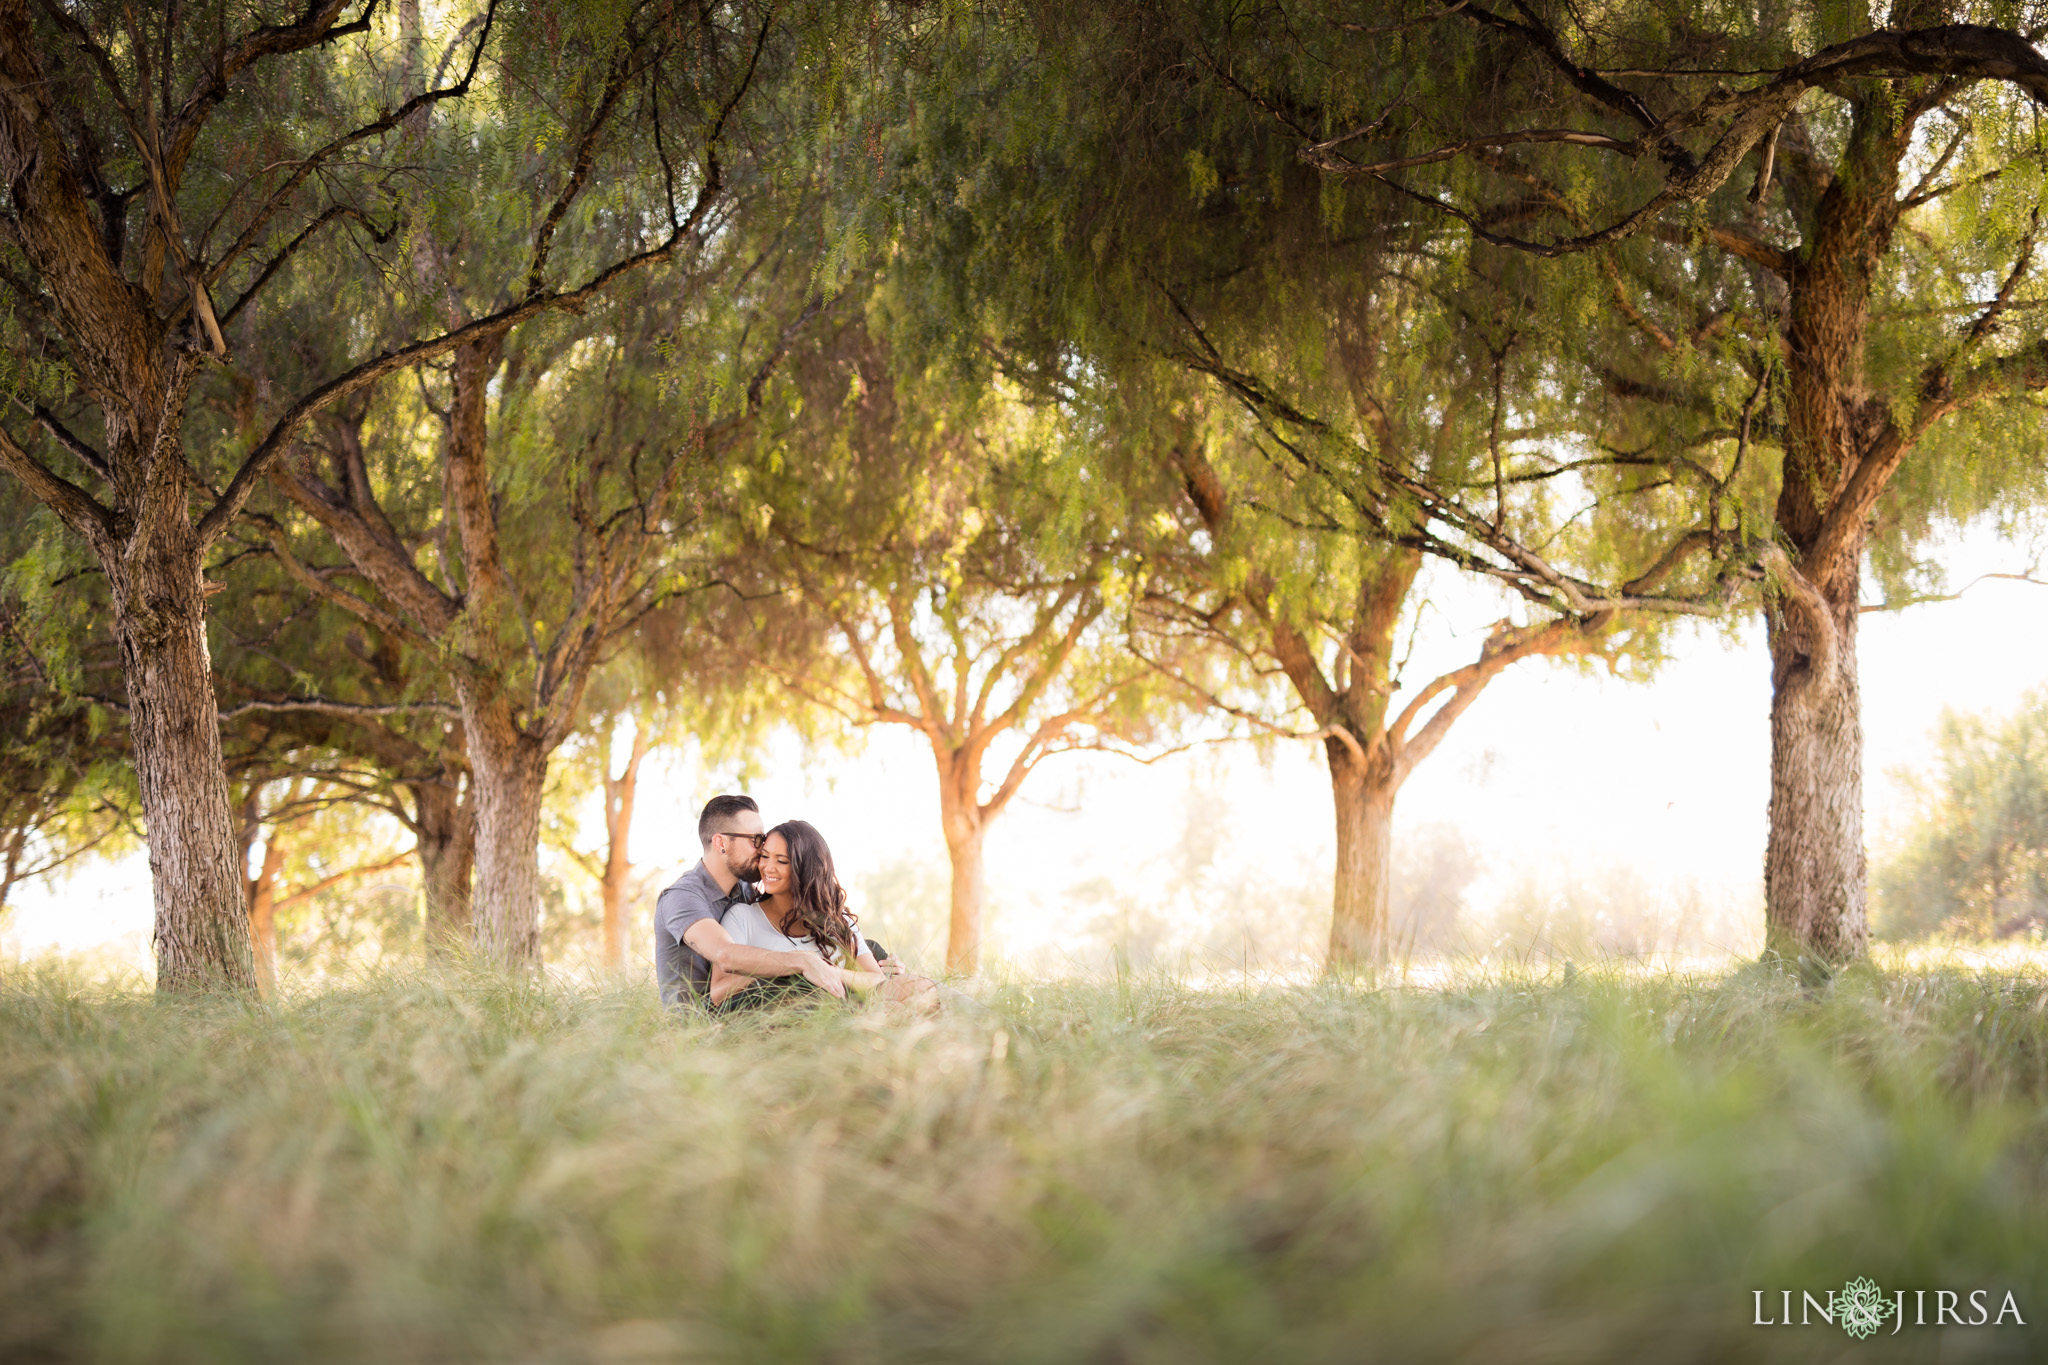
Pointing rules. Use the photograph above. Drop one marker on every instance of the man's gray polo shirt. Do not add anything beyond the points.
(689, 898)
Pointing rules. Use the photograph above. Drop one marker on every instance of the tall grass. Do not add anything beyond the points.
(428, 1168)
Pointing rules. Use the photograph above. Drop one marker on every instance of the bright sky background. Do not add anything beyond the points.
(1556, 777)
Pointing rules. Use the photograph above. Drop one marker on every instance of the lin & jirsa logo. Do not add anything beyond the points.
(1861, 1309)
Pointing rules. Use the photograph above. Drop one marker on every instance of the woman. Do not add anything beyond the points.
(803, 909)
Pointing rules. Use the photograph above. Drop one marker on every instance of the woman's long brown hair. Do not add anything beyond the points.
(814, 889)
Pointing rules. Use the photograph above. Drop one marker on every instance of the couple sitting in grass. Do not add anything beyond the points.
(762, 919)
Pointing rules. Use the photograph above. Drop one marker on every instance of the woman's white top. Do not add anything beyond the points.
(749, 924)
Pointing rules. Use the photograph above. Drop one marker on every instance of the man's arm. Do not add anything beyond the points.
(707, 939)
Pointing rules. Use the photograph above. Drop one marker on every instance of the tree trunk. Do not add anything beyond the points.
(619, 793)
(508, 769)
(17, 842)
(1814, 865)
(447, 853)
(202, 915)
(1814, 862)
(963, 821)
(963, 930)
(617, 871)
(1362, 894)
(263, 915)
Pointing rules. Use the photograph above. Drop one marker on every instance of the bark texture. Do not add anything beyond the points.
(1362, 795)
(1814, 861)
(201, 928)
(1815, 896)
(445, 827)
(145, 541)
(510, 769)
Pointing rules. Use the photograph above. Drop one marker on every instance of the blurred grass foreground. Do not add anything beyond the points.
(1586, 1166)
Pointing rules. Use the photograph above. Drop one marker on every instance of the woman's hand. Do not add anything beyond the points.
(823, 974)
(861, 981)
(894, 984)
(868, 964)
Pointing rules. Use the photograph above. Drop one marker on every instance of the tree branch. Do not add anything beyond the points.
(314, 28)
(1918, 601)
(321, 706)
(1588, 82)
(270, 268)
(392, 119)
(349, 874)
(1752, 249)
(273, 445)
(77, 508)
(1964, 51)
(1505, 646)
(1809, 602)
(359, 607)
(579, 174)
(80, 451)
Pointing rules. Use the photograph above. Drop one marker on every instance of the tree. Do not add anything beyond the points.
(1882, 242)
(1339, 652)
(1975, 859)
(1326, 381)
(554, 602)
(669, 693)
(153, 162)
(621, 793)
(308, 690)
(592, 761)
(947, 559)
(268, 814)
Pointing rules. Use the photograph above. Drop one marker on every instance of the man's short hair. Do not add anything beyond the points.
(718, 814)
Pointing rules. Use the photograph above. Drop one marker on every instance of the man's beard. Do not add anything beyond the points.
(749, 874)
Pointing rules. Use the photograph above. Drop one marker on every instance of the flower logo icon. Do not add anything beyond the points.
(1862, 1308)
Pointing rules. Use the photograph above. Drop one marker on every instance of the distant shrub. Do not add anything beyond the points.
(1974, 862)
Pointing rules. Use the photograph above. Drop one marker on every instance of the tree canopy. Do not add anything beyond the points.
(1038, 376)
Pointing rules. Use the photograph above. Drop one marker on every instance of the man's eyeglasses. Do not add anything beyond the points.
(757, 840)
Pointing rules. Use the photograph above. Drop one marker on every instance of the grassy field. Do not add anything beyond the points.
(1596, 1168)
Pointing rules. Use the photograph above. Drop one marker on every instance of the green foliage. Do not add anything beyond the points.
(1974, 861)
(1104, 205)
(1017, 260)
(904, 907)
(437, 1167)
(332, 916)
(1646, 390)
(66, 787)
(909, 546)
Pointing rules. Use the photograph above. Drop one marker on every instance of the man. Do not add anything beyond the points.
(688, 937)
